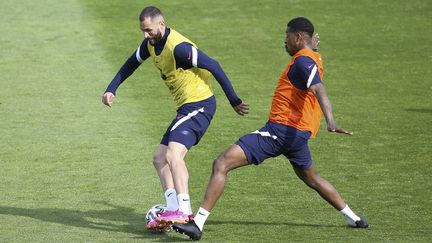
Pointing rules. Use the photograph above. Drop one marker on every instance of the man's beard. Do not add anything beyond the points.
(153, 41)
(287, 50)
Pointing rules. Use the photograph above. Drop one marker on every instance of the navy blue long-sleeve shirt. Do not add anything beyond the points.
(186, 56)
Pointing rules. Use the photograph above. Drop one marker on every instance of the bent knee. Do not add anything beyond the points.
(316, 182)
(219, 165)
(311, 183)
(173, 158)
(312, 180)
(159, 160)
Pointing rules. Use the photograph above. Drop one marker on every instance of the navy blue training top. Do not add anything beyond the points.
(304, 69)
(182, 54)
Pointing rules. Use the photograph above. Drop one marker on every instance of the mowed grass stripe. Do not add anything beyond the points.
(70, 166)
(73, 170)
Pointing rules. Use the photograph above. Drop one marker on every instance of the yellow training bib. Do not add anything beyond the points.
(186, 86)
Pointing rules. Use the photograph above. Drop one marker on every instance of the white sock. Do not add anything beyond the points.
(171, 199)
(349, 214)
(184, 203)
(201, 217)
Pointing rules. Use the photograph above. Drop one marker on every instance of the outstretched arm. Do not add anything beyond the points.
(188, 56)
(214, 67)
(125, 71)
(321, 94)
(131, 64)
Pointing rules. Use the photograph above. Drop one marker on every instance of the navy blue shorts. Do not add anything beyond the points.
(275, 139)
(191, 122)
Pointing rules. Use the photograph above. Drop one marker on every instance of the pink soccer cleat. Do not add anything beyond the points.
(172, 217)
(155, 226)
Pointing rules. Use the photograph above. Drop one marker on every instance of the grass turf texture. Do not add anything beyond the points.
(73, 170)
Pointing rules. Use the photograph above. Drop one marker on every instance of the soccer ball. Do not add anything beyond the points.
(154, 212)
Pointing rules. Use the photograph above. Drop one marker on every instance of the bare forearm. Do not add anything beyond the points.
(326, 109)
(325, 105)
(321, 94)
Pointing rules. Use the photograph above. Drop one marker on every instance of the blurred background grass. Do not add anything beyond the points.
(74, 170)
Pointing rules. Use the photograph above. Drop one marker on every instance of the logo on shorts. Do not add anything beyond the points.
(180, 117)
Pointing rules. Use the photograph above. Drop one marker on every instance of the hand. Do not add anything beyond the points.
(107, 98)
(315, 41)
(242, 109)
(339, 130)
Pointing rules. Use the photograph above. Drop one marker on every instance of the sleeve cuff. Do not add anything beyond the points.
(236, 102)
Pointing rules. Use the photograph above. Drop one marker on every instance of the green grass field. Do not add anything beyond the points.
(73, 170)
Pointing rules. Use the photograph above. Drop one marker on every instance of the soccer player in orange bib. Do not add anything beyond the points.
(298, 103)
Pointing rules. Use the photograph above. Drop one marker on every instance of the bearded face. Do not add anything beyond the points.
(153, 28)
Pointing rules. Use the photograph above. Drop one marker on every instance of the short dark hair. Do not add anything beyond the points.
(301, 24)
(150, 12)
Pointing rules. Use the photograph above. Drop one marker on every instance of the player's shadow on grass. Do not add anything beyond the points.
(420, 110)
(117, 219)
(255, 223)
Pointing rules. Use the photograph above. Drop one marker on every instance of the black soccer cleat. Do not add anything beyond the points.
(190, 229)
(362, 223)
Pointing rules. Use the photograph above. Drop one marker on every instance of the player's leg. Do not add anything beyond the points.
(162, 168)
(300, 157)
(185, 131)
(175, 158)
(252, 148)
(327, 191)
(166, 178)
(165, 160)
(164, 172)
(230, 159)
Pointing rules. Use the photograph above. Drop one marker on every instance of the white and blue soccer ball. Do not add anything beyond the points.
(154, 212)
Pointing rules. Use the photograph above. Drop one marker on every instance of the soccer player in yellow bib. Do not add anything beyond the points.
(186, 72)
